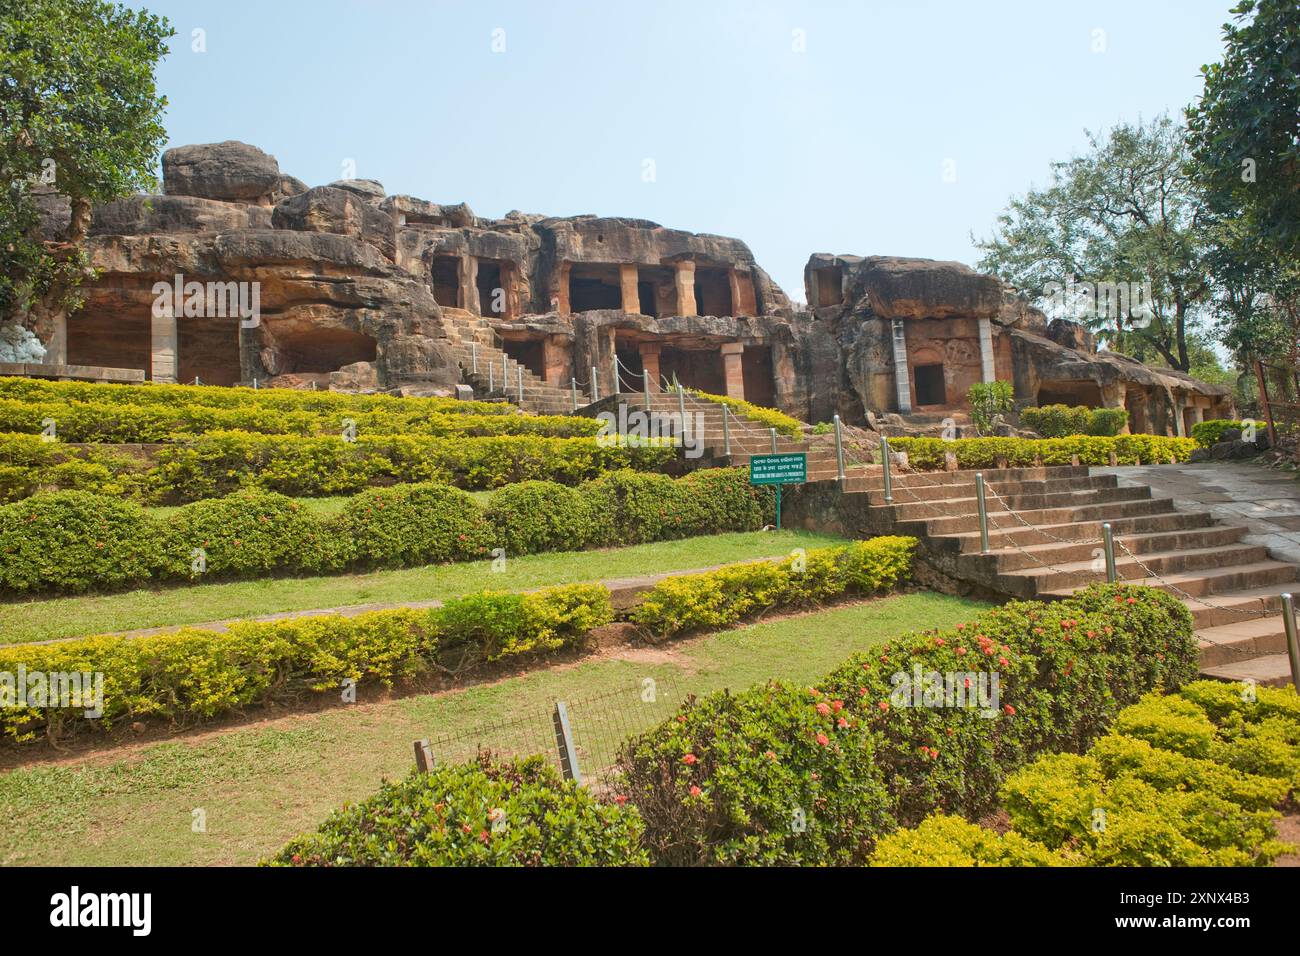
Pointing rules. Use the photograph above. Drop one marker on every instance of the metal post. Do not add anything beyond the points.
(255, 386)
(645, 380)
(618, 385)
(595, 386)
(492, 385)
(773, 432)
(505, 370)
(573, 384)
(473, 357)
(984, 513)
(1292, 648)
(1108, 540)
(681, 407)
(520, 379)
(726, 433)
(884, 459)
(839, 449)
(564, 741)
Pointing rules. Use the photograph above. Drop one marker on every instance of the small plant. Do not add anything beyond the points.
(987, 400)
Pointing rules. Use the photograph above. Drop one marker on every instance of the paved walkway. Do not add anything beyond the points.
(1265, 501)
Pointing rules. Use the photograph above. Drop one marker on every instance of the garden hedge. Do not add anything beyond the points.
(193, 674)
(1210, 433)
(486, 813)
(1061, 421)
(74, 541)
(1066, 669)
(928, 454)
(1188, 779)
(219, 463)
(713, 599)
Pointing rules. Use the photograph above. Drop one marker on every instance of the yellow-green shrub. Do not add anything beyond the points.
(943, 840)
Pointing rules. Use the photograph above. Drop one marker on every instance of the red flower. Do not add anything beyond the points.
(842, 723)
(1011, 711)
(961, 652)
(939, 641)
(823, 739)
(696, 791)
(620, 799)
(770, 755)
(823, 708)
(837, 704)
(961, 627)
(1003, 661)
(1132, 600)
(884, 705)
(689, 759)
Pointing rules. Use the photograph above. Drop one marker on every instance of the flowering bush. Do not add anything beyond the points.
(1065, 669)
(485, 813)
(771, 776)
(719, 598)
(194, 674)
(73, 541)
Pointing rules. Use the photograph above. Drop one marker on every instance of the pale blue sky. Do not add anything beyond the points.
(840, 148)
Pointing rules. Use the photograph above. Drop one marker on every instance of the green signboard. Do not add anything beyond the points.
(788, 469)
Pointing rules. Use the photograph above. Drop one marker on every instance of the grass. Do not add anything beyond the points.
(191, 604)
(260, 785)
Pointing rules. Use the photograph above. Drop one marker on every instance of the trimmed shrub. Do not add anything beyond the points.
(633, 508)
(194, 674)
(1188, 779)
(72, 541)
(716, 500)
(767, 417)
(927, 454)
(409, 525)
(771, 776)
(488, 813)
(712, 599)
(1062, 421)
(1107, 422)
(535, 516)
(248, 534)
(951, 841)
(1210, 433)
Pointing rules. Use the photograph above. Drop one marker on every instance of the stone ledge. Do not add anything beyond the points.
(92, 373)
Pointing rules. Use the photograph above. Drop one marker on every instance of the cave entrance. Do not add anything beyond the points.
(530, 353)
(208, 349)
(929, 385)
(594, 286)
(111, 341)
(694, 368)
(324, 350)
(631, 369)
(492, 298)
(1070, 393)
(445, 276)
(830, 286)
(756, 367)
(712, 292)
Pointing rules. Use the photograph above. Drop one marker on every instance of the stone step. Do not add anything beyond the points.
(1027, 557)
(1029, 582)
(904, 510)
(1208, 582)
(965, 476)
(969, 541)
(1072, 514)
(1242, 640)
(1271, 670)
(1235, 606)
(960, 491)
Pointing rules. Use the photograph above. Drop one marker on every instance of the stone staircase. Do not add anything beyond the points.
(748, 437)
(473, 343)
(1051, 546)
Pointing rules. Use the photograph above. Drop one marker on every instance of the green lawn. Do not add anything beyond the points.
(76, 616)
(260, 785)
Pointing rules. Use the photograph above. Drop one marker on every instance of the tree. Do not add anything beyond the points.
(1122, 221)
(79, 115)
(1245, 132)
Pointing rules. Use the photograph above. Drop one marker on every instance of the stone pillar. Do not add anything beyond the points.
(627, 276)
(469, 285)
(902, 380)
(733, 369)
(557, 360)
(56, 348)
(685, 279)
(743, 300)
(163, 360)
(650, 362)
(986, 350)
(562, 288)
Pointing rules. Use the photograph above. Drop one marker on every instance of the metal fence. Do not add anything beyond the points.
(580, 737)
